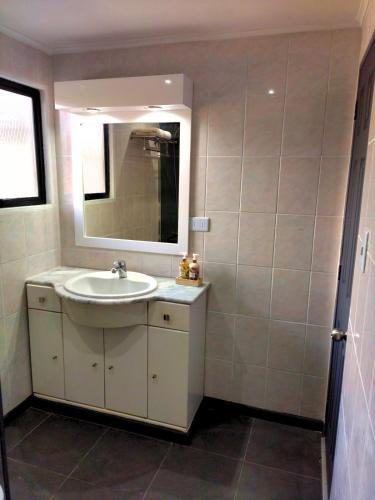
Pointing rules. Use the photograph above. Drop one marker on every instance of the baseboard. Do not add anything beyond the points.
(20, 408)
(272, 416)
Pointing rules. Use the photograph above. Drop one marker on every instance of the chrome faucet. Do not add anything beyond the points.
(119, 266)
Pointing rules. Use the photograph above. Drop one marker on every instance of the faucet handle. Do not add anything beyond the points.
(119, 264)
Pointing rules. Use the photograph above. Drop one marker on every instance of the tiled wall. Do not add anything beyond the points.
(354, 465)
(29, 236)
(270, 170)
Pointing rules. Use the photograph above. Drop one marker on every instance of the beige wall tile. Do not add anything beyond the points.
(218, 370)
(264, 122)
(303, 126)
(12, 236)
(322, 298)
(199, 129)
(338, 127)
(332, 186)
(249, 384)
(290, 291)
(344, 60)
(259, 184)
(298, 185)
(293, 245)
(256, 239)
(197, 184)
(14, 276)
(253, 291)
(327, 244)
(283, 391)
(317, 351)
(219, 336)
(314, 397)
(220, 243)
(223, 286)
(251, 341)
(318, 41)
(287, 342)
(223, 183)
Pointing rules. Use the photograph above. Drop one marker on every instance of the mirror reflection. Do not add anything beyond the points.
(131, 180)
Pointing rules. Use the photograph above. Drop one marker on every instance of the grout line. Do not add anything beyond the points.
(158, 469)
(32, 430)
(306, 476)
(244, 458)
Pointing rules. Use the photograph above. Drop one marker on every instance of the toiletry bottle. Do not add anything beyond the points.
(194, 268)
(184, 267)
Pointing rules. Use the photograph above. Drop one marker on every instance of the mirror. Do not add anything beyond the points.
(131, 174)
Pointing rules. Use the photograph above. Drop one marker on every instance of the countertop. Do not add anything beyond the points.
(167, 289)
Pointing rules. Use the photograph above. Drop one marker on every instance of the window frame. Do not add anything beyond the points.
(107, 172)
(34, 94)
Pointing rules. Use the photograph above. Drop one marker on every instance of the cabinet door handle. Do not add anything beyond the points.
(41, 300)
(54, 357)
(154, 377)
(94, 365)
(166, 317)
(110, 367)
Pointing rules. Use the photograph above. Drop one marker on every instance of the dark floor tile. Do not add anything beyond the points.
(28, 482)
(73, 489)
(289, 448)
(22, 425)
(58, 443)
(263, 483)
(222, 432)
(191, 473)
(122, 461)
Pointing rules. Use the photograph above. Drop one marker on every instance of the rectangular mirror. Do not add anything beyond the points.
(131, 180)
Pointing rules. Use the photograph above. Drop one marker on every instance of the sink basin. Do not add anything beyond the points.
(105, 285)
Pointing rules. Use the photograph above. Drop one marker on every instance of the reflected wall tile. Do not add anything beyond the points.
(251, 341)
(283, 391)
(256, 239)
(298, 185)
(253, 291)
(249, 384)
(338, 127)
(293, 245)
(219, 336)
(332, 186)
(303, 126)
(223, 286)
(223, 183)
(263, 125)
(259, 184)
(317, 351)
(322, 298)
(12, 236)
(287, 341)
(314, 397)
(290, 295)
(220, 243)
(327, 244)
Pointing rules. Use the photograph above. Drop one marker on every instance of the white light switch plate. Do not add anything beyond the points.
(199, 224)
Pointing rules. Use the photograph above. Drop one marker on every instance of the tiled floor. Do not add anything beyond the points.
(55, 457)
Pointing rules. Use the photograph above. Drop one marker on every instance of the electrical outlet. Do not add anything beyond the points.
(199, 224)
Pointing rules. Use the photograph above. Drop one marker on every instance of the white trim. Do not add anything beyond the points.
(362, 9)
(177, 38)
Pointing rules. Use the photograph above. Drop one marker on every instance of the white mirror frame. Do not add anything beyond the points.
(182, 116)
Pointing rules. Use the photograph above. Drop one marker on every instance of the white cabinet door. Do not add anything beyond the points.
(168, 355)
(84, 363)
(46, 345)
(126, 369)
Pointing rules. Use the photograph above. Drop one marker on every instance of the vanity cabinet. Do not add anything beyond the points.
(152, 371)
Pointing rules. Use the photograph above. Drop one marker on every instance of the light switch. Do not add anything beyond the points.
(199, 224)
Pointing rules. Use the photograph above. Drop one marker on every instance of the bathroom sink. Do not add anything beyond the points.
(105, 285)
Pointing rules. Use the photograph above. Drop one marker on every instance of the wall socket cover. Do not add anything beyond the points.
(199, 224)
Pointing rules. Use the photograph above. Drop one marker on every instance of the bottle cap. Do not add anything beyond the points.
(195, 256)
(184, 255)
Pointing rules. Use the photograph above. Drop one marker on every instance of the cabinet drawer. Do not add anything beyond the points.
(43, 297)
(169, 315)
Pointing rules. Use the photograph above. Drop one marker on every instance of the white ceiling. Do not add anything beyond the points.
(76, 25)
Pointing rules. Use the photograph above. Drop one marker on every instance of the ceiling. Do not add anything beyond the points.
(57, 26)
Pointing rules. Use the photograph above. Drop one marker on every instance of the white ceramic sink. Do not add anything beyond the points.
(105, 285)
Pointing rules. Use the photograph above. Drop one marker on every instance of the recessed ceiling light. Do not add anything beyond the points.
(153, 106)
(168, 82)
(271, 91)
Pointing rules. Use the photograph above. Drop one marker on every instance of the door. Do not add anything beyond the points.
(348, 250)
(126, 369)
(84, 363)
(46, 346)
(168, 355)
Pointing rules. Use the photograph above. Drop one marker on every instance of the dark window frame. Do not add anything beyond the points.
(106, 193)
(34, 94)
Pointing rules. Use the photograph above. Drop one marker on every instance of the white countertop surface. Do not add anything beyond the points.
(167, 289)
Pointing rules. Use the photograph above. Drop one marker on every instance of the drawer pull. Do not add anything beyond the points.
(110, 367)
(42, 300)
(154, 377)
(94, 365)
(54, 357)
(166, 317)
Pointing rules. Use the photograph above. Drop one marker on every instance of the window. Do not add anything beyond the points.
(95, 162)
(22, 177)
